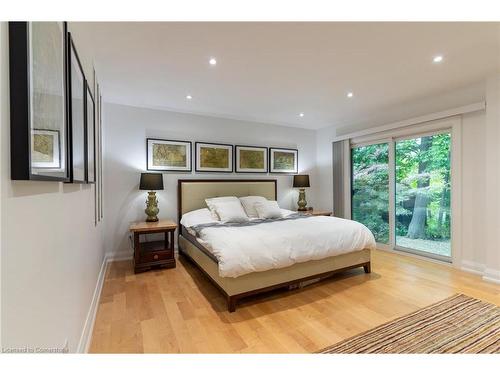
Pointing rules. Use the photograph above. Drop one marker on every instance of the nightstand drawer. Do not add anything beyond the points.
(155, 256)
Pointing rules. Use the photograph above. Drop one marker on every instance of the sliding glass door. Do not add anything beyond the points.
(370, 189)
(401, 191)
(423, 194)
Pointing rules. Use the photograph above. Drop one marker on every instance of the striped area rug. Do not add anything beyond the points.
(459, 324)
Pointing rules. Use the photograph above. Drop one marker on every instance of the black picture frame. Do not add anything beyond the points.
(189, 153)
(237, 169)
(22, 111)
(90, 135)
(77, 133)
(214, 170)
(271, 158)
(101, 183)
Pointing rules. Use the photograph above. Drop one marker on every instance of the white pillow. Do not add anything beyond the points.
(248, 205)
(196, 217)
(231, 212)
(268, 210)
(212, 204)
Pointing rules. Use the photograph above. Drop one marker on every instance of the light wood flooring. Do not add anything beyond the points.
(180, 311)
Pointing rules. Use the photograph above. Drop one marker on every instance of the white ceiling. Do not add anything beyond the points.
(270, 72)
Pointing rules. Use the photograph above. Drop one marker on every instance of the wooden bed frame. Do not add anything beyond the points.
(191, 248)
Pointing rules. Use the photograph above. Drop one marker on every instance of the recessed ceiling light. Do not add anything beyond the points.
(301, 114)
(189, 97)
(438, 58)
(350, 94)
(212, 61)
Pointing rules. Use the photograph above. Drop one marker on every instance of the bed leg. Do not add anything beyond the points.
(231, 304)
(367, 267)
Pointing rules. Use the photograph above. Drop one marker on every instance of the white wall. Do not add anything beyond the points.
(473, 190)
(491, 217)
(51, 251)
(126, 131)
(324, 139)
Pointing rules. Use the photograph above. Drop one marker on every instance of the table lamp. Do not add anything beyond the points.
(301, 181)
(151, 182)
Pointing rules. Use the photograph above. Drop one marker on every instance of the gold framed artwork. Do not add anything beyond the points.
(45, 149)
(283, 160)
(251, 159)
(213, 157)
(168, 155)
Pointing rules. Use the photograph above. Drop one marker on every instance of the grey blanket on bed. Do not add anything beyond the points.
(198, 228)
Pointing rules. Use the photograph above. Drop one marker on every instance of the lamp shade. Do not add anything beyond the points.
(301, 181)
(151, 181)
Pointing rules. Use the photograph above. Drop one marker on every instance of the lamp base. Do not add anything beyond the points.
(152, 207)
(302, 203)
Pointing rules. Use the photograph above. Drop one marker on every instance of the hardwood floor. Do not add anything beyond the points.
(179, 311)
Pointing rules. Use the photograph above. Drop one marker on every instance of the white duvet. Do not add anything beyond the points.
(279, 244)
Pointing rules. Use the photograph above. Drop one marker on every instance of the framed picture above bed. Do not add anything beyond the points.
(250, 159)
(38, 123)
(283, 160)
(168, 155)
(213, 157)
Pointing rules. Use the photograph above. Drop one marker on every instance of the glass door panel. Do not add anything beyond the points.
(370, 189)
(423, 194)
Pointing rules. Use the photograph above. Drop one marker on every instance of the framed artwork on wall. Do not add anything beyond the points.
(76, 114)
(97, 190)
(45, 149)
(250, 159)
(39, 127)
(101, 167)
(283, 160)
(90, 137)
(98, 150)
(213, 157)
(168, 155)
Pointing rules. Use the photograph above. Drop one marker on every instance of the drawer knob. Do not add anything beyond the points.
(155, 257)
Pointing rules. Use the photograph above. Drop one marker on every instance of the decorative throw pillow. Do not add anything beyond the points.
(268, 210)
(212, 204)
(248, 205)
(231, 212)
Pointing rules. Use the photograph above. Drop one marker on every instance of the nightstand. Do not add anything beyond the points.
(149, 254)
(316, 213)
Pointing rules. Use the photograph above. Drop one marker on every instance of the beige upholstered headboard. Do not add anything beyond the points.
(191, 194)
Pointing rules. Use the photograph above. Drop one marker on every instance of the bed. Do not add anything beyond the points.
(191, 196)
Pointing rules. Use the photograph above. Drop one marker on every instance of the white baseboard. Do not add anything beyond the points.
(491, 275)
(88, 327)
(472, 267)
(488, 274)
(120, 255)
